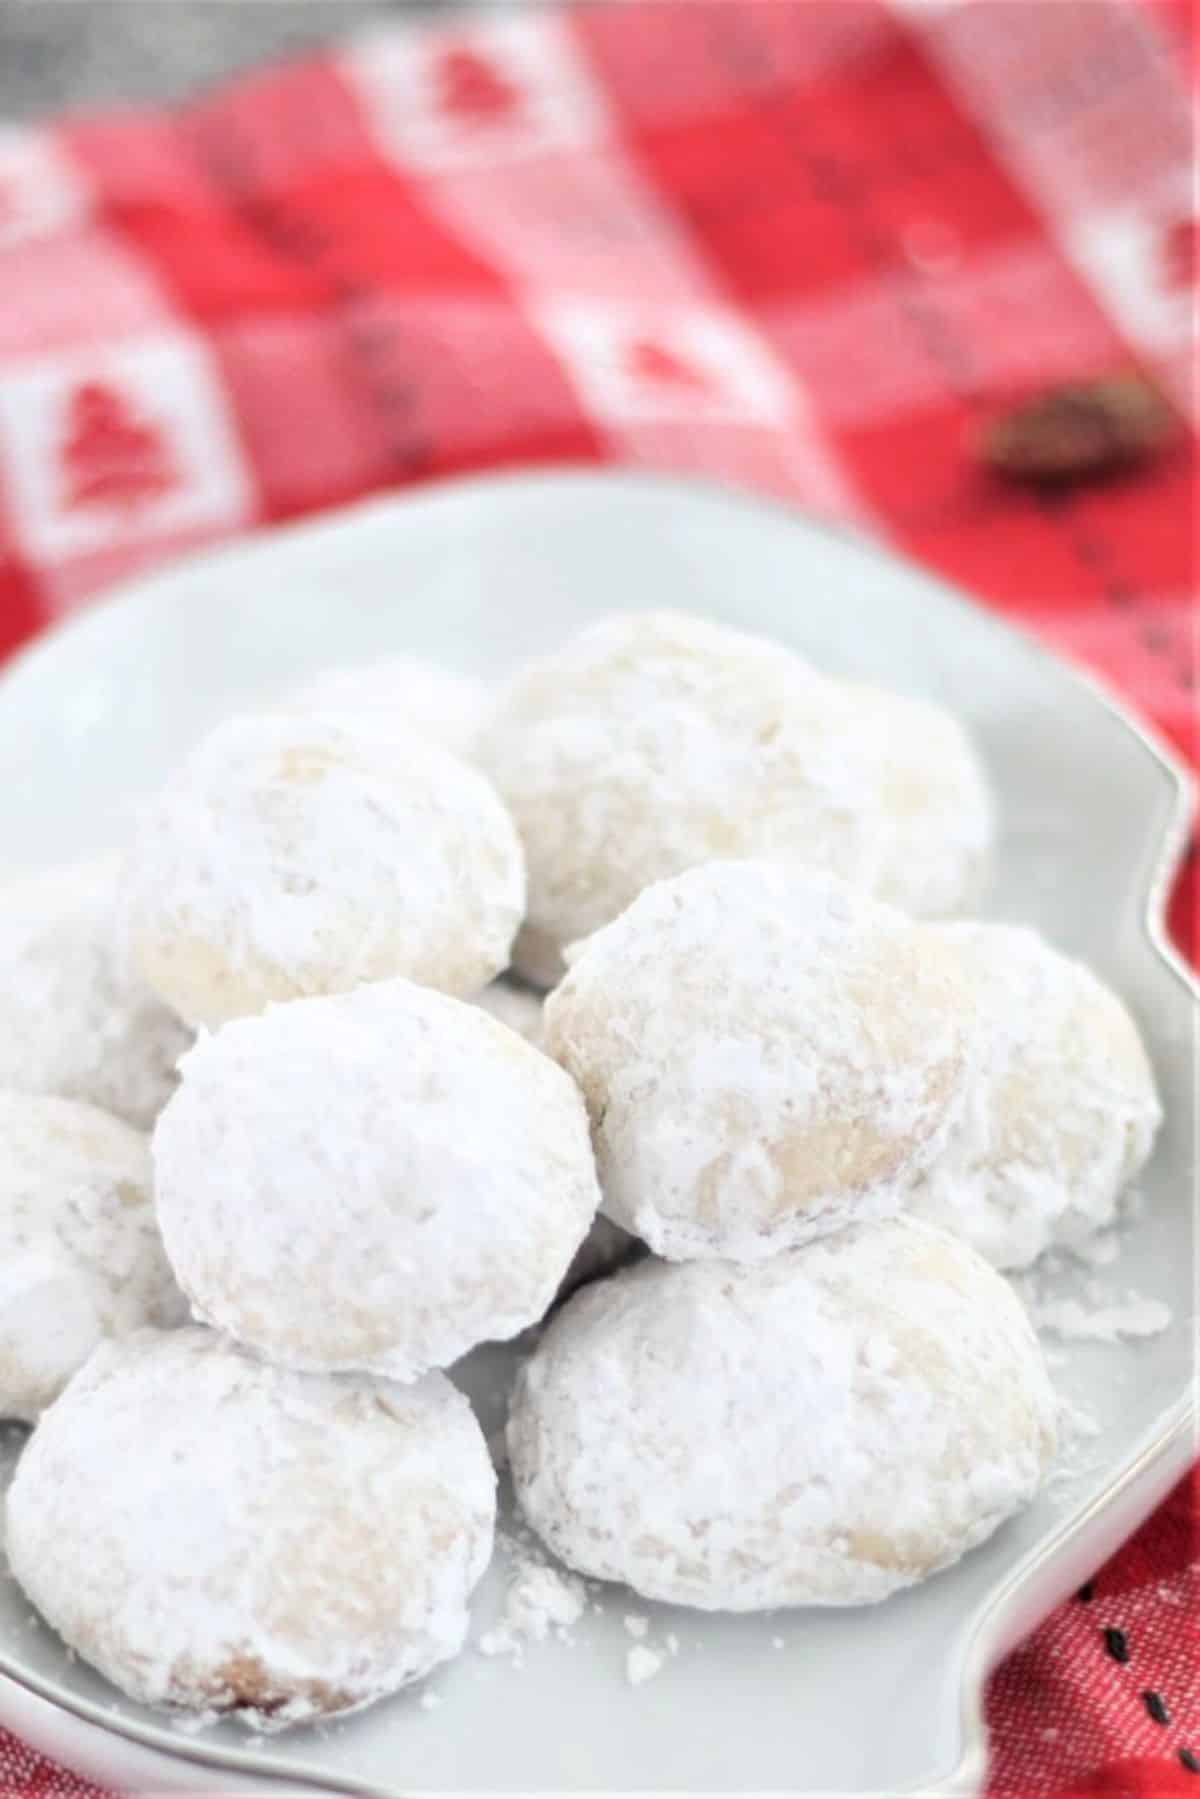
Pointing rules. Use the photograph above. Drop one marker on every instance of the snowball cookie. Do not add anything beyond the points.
(77, 1020)
(1062, 1110)
(433, 701)
(765, 1055)
(932, 849)
(378, 1180)
(217, 1535)
(300, 855)
(820, 1429)
(80, 1255)
(515, 1005)
(655, 741)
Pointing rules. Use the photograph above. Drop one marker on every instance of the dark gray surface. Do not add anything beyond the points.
(68, 53)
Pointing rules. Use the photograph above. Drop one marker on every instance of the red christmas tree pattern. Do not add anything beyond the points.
(473, 90)
(110, 457)
(650, 361)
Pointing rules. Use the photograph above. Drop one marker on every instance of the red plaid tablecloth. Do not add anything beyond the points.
(804, 245)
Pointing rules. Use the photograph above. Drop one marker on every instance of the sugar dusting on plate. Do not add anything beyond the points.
(642, 1664)
(1075, 1322)
(1068, 1301)
(1070, 1304)
(540, 1601)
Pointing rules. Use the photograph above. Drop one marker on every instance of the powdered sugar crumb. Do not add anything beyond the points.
(641, 1664)
(1076, 1427)
(1067, 1302)
(541, 1600)
(430, 1701)
(1075, 1323)
(636, 1626)
(192, 1724)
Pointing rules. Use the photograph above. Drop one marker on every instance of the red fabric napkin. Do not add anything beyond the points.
(811, 246)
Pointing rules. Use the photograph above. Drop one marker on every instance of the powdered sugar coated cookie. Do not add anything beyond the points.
(765, 1056)
(291, 856)
(80, 1255)
(377, 1180)
(820, 1429)
(218, 1535)
(654, 742)
(1061, 1113)
(78, 1021)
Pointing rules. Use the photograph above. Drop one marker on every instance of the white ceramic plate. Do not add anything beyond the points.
(481, 574)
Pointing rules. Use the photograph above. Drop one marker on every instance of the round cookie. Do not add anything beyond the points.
(1062, 1110)
(78, 1020)
(217, 1535)
(378, 1180)
(298, 855)
(420, 696)
(654, 742)
(765, 1055)
(80, 1254)
(820, 1429)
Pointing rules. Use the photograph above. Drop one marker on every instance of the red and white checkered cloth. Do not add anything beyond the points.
(805, 245)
